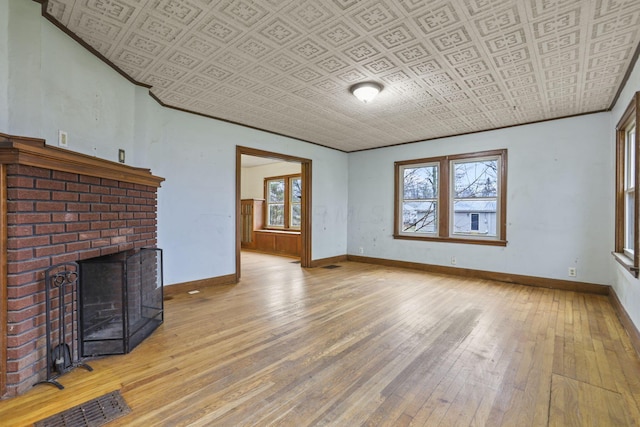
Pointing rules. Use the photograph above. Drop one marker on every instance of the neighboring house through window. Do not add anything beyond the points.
(459, 198)
(283, 195)
(627, 183)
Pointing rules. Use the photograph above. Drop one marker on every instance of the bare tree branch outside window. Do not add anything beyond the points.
(296, 202)
(475, 195)
(460, 198)
(275, 202)
(420, 201)
(283, 195)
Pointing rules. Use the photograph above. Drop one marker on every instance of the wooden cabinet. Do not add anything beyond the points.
(256, 238)
(278, 242)
(251, 216)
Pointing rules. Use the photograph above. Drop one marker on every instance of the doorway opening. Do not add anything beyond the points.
(273, 203)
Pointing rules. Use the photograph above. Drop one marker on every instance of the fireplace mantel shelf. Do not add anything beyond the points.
(57, 207)
(35, 152)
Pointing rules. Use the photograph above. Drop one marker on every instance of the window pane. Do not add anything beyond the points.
(629, 221)
(419, 217)
(630, 164)
(629, 202)
(420, 183)
(276, 215)
(296, 215)
(276, 191)
(486, 220)
(475, 194)
(296, 190)
(476, 179)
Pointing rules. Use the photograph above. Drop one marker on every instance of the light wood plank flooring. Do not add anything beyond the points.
(365, 345)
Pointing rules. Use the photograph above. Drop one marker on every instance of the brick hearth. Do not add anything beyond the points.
(51, 215)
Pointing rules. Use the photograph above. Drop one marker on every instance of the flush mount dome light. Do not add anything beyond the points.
(366, 91)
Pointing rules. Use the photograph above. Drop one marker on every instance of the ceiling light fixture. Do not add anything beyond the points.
(366, 91)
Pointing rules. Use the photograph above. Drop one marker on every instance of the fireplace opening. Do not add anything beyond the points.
(121, 301)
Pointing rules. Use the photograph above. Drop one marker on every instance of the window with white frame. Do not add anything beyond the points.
(458, 198)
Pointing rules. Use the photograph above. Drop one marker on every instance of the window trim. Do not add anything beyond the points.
(630, 115)
(445, 200)
(287, 202)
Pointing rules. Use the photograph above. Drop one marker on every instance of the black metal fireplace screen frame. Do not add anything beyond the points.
(116, 323)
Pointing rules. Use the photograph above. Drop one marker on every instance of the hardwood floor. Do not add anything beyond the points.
(365, 345)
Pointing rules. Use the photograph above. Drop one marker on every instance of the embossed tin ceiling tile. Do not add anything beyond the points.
(286, 65)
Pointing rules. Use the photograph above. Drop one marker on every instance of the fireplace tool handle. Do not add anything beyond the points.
(63, 355)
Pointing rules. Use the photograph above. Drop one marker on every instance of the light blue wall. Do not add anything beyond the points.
(559, 198)
(24, 88)
(84, 97)
(196, 155)
(54, 83)
(4, 65)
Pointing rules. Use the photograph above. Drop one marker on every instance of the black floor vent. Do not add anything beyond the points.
(94, 413)
(331, 267)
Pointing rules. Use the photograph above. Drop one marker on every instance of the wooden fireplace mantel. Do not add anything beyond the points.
(35, 152)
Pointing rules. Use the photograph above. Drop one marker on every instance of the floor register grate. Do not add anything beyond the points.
(94, 413)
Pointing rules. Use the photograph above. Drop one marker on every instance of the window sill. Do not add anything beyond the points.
(493, 242)
(274, 231)
(626, 262)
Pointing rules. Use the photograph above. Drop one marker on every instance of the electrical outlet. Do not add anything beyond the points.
(572, 272)
(453, 260)
(361, 250)
(63, 139)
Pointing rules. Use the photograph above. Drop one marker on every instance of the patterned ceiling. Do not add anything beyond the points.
(448, 66)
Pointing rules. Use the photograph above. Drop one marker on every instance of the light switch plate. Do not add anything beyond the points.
(63, 139)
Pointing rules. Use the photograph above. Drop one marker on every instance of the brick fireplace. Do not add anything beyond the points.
(58, 206)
